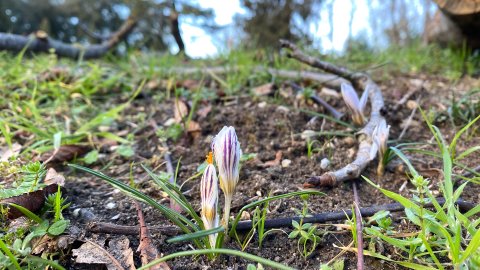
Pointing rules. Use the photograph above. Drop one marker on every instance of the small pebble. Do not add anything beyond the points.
(348, 141)
(286, 163)
(258, 193)
(262, 105)
(351, 152)
(283, 109)
(245, 216)
(412, 104)
(324, 163)
(169, 122)
(115, 217)
(110, 205)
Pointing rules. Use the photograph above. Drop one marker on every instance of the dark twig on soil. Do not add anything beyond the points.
(40, 42)
(358, 218)
(102, 227)
(360, 80)
(318, 100)
(342, 215)
(148, 252)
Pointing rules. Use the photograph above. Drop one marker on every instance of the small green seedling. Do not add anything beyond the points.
(306, 232)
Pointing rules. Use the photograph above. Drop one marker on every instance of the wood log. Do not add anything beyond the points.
(40, 42)
(456, 22)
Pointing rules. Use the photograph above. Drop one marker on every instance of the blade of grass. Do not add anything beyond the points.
(27, 213)
(181, 221)
(195, 235)
(10, 255)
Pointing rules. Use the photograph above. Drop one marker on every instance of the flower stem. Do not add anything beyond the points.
(226, 213)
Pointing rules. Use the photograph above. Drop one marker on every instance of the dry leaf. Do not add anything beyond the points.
(194, 129)
(6, 152)
(203, 112)
(90, 254)
(33, 201)
(65, 153)
(263, 90)
(275, 162)
(189, 84)
(120, 249)
(52, 177)
(180, 110)
(148, 252)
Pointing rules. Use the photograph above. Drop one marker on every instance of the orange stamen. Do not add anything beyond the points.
(210, 158)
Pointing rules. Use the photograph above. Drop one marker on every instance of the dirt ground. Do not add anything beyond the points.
(266, 126)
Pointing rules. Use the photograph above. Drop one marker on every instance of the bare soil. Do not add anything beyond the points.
(265, 126)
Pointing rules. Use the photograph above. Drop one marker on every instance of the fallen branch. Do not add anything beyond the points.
(362, 81)
(102, 227)
(40, 42)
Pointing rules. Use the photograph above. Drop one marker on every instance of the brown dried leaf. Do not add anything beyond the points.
(180, 110)
(33, 201)
(148, 252)
(275, 162)
(90, 254)
(6, 152)
(203, 112)
(194, 129)
(65, 153)
(263, 90)
(52, 177)
(189, 84)
(120, 249)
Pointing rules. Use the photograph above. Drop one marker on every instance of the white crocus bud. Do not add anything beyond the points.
(227, 153)
(355, 105)
(380, 139)
(209, 195)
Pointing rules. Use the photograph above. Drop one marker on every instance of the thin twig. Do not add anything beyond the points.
(361, 80)
(409, 120)
(358, 218)
(318, 100)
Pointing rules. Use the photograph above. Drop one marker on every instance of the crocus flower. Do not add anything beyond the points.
(380, 138)
(209, 195)
(227, 153)
(355, 105)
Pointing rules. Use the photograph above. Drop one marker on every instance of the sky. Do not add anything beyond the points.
(201, 44)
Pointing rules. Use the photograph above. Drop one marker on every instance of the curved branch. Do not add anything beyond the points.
(40, 42)
(360, 80)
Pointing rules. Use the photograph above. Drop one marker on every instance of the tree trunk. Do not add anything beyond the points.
(458, 21)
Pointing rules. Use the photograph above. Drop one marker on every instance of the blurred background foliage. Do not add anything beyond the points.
(257, 24)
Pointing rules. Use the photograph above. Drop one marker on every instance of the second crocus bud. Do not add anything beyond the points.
(380, 139)
(355, 105)
(209, 195)
(227, 153)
